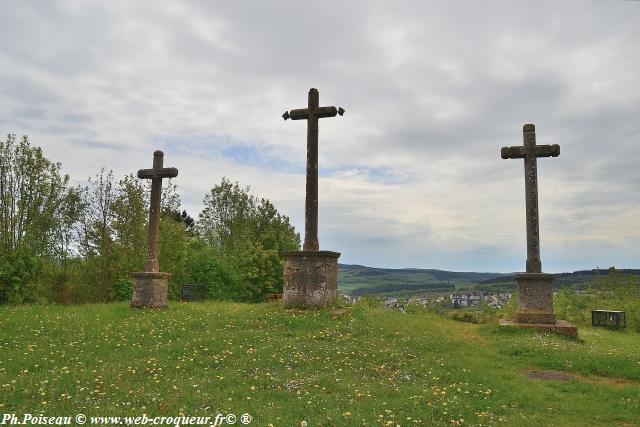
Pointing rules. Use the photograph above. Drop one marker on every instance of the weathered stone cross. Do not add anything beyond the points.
(530, 152)
(155, 175)
(312, 113)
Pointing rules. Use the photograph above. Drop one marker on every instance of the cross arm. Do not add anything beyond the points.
(157, 173)
(326, 112)
(520, 152)
(548, 150)
(513, 152)
(304, 113)
(300, 114)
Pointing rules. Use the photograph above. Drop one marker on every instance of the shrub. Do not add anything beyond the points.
(123, 289)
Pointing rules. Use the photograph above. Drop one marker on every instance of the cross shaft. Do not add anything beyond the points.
(312, 113)
(156, 174)
(530, 152)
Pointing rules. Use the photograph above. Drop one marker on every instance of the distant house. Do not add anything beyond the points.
(391, 302)
(350, 299)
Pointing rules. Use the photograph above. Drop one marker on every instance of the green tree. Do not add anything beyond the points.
(205, 267)
(97, 243)
(175, 234)
(247, 234)
(65, 245)
(115, 238)
(129, 224)
(568, 306)
(225, 221)
(37, 213)
(172, 252)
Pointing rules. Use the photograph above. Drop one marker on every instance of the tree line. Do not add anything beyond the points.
(63, 243)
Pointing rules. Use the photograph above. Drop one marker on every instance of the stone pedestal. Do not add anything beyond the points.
(150, 289)
(535, 298)
(535, 305)
(310, 278)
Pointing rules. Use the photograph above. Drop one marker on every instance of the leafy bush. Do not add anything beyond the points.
(20, 278)
(470, 316)
(206, 268)
(570, 307)
(123, 289)
(508, 312)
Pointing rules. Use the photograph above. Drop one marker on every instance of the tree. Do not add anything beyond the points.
(97, 243)
(37, 213)
(129, 224)
(247, 235)
(225, 220)
(116, 232)
(32, 192)
(185, 218)
(206, 267)
(65, 241)
(172, 256)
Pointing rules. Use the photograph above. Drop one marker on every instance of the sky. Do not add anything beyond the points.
(411, 175)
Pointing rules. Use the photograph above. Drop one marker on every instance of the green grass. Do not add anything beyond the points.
(362, 367)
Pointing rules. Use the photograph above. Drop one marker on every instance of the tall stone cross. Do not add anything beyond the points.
(155, 175)
(530, 152)
(312, 113)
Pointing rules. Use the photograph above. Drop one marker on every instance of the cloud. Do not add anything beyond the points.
(411, 175)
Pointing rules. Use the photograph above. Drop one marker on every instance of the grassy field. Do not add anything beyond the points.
(352, 367)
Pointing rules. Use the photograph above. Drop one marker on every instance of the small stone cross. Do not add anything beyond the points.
(312, 113)
(530, 152)
(155, 175)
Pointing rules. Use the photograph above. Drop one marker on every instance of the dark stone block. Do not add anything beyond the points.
(608, 319)
(193, 292)
(275, 297)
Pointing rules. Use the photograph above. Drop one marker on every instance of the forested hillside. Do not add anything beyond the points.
(358, 279)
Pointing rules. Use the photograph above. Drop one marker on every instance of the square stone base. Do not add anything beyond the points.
(560, 327)
(310, 278)
(535, 298)
(150, 289)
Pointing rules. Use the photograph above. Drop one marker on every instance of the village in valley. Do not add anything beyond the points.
(463, 299)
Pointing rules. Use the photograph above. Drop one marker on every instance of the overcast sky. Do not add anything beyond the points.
(411, 176)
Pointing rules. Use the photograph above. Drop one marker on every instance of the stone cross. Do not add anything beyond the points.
(312, 113)
(155, 175)
(530, 152)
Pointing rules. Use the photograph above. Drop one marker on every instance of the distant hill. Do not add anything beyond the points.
(360, 280)
(564, 279)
